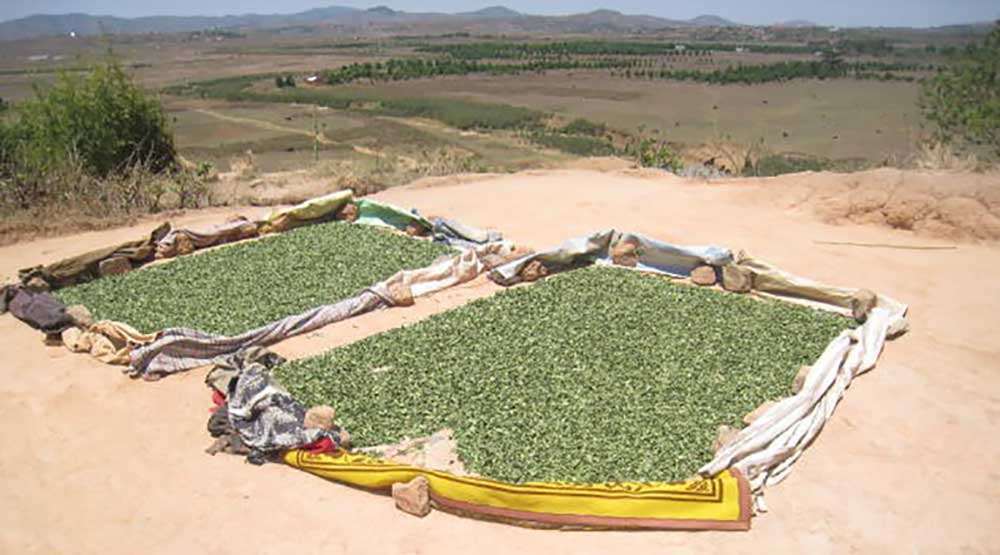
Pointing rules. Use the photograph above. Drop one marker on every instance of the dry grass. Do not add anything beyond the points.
(75, 201)
(934, 155)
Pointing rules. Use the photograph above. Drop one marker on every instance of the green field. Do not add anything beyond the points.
(239, 287)
(600, 374)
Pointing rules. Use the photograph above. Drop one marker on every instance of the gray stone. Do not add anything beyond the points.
(114, 266)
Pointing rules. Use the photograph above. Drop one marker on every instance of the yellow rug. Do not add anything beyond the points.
(719, 503)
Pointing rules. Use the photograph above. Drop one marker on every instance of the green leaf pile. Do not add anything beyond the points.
(599, 374)
(239, 287)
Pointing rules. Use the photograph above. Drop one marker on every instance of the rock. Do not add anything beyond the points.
(533, 271)
(345, 438)
(320, 417)
(703, 275)
(755, 414)
(80, 316)
(348, 213)
(724, 435)
(415, 230)
(862, 303)
(736, 278)
(800, 378)
(38, 285)
(625, 254)
(413, 497)
(401, 294)
(184, 244)
(114, 266)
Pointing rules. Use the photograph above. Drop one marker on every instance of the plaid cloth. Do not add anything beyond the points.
(178, 349)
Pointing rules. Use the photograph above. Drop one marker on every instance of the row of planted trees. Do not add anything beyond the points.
(416, 68)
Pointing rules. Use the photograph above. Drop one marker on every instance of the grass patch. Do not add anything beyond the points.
(242, 286)
(463, 114)
(599, 374)
(779, 164)
(580, 145)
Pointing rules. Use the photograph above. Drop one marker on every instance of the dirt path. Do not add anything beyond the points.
(97, 463)
(320, 137)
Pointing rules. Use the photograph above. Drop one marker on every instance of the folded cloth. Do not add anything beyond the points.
(86, 267)
(42, 311)
(719, 503)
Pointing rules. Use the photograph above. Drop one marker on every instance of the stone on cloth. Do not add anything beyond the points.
(413, 497)
(703, 275)
(80, 316)
(736, 278)
(320, 417)
(114, 266)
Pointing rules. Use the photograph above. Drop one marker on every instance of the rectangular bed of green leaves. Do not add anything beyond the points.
(239, 287)
(599, 374)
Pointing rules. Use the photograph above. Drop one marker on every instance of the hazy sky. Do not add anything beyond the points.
(829, 12)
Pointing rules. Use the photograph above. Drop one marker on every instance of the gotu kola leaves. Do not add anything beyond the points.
(239, 287)
(599, 374)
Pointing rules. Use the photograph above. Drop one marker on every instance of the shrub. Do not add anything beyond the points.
(651, 153)
(963, 102)
(102, 119)
(581, 126)
(92, 144)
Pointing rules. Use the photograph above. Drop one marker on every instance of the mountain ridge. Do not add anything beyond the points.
(86, 24)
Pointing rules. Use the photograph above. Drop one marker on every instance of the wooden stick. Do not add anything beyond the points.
(889, 246)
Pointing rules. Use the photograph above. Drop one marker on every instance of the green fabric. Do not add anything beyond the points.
(85, 267)
(372, 212)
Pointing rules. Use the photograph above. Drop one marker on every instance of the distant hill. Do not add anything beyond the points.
(491, 12)
(711, 21)
(798, 23)
(494, 18)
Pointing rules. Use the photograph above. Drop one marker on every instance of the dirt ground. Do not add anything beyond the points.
(98, 463)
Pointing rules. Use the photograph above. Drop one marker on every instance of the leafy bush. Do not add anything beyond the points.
(600, 374)
(96, 125)
(963, 101)
(581, 126)
(104, 119)
(651, 153)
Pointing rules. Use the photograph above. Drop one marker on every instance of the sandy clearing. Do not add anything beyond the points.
(99, 463)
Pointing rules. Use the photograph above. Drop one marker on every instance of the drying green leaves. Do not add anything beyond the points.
(599, 374)
(239, 287)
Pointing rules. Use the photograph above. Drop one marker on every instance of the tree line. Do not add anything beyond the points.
(560, 49)
(630, 68)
